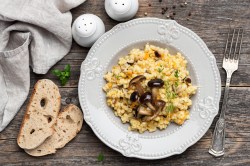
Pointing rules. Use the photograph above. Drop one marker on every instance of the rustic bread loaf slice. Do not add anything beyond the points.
(40, 116)
(69, 123)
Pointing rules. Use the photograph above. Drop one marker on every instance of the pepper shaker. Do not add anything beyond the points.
(121, 10)
(86, 29)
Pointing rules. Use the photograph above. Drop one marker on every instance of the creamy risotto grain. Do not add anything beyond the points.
(152, 62)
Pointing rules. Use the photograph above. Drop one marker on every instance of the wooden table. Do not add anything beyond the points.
(209, 20)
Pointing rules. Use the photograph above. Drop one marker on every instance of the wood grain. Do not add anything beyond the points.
(209, 21)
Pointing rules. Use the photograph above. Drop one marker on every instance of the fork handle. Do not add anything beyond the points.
(218, 140)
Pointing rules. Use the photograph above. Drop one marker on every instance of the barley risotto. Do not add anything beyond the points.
(149, 89)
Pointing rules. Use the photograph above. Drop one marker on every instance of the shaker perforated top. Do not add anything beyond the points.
(86, 29)
(121, 10)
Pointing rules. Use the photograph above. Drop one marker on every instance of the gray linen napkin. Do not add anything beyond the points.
(34, 33)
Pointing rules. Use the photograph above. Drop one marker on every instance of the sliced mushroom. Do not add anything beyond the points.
(157, 54)
(188, 80)
(134, 96)
(143, 111)
(136, 81)
(146, 99)
(131, 62)
(160, 104)
(155, 84)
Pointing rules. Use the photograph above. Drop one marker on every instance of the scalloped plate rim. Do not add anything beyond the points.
(134, 155)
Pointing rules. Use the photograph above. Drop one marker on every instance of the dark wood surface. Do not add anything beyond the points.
(209, 19)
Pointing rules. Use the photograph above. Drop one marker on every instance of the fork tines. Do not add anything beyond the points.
(234, 39)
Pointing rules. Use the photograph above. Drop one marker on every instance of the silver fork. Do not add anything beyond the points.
(230, 64)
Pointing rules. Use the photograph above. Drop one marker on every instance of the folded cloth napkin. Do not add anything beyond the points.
(34, 33)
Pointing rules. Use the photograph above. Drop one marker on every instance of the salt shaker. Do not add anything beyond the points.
(121, 10)
(86, 29)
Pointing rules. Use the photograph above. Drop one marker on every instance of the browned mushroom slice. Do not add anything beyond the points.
(157, 54)
(143, 111)
(188, 80)
(134, 96)
(146, 99)
(155, 84)
(131, 62)
(136, 81)
(160, 104)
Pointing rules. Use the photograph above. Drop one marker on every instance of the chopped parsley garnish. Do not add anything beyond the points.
(100, 157)
(170, 94)
(176, 73)
(117, 76)
(167, 84)
(170, 107)
(160, 69)
(176, 84)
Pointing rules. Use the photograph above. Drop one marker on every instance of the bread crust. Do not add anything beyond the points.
(38, 119)
(69, 123)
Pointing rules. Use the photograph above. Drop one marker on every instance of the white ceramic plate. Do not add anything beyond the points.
(118, 42)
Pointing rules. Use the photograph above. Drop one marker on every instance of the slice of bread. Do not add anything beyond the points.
(40, 116)
(69, 123)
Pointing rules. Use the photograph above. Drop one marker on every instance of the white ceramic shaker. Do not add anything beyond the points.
(121, 10)
(86, 29)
